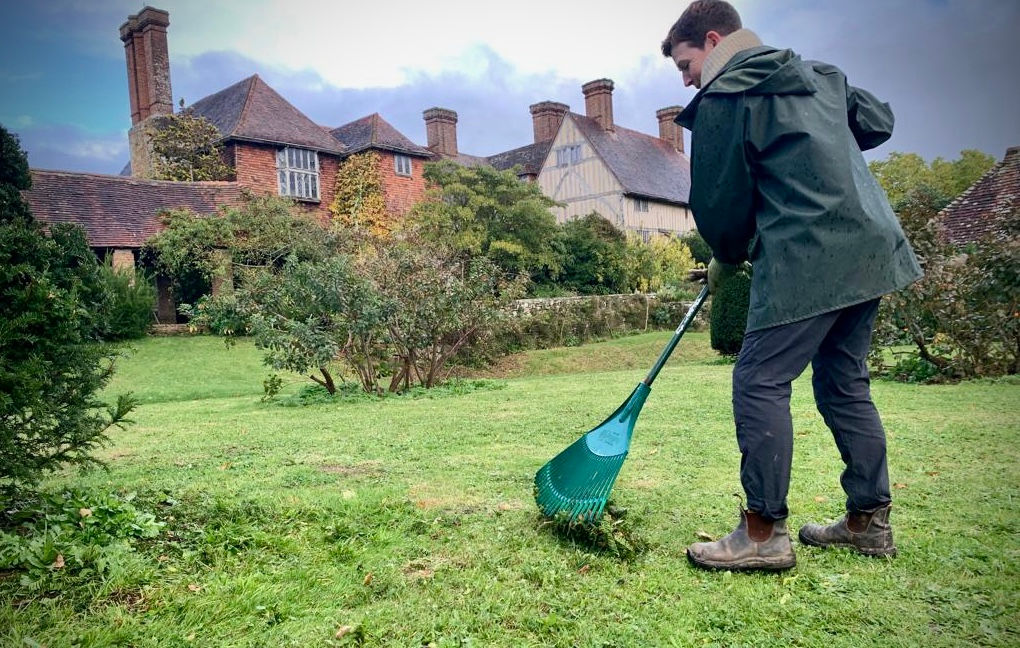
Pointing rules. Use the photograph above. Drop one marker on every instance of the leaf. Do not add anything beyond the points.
(368, 579)
(194, 587)
(84, 512)
(701, 535)
(584, 569)
(343, 631)
(899, 485)
(348, 494)
(821, 498)
(59, 562)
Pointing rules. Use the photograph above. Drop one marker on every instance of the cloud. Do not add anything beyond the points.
(66, 147)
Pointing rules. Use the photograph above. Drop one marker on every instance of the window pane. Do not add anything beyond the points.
(281, 182)
(315, 187)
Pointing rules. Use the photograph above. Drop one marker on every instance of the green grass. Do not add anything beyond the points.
(411, 521)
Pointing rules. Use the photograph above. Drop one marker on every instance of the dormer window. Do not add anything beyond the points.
(402, 165)
(298, 173)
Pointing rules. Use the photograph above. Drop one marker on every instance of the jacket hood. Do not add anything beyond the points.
(756, 71)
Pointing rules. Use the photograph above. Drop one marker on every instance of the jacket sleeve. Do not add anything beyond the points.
(871, 120)
(722, 187)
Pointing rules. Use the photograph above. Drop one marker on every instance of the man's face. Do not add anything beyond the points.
(689, 59)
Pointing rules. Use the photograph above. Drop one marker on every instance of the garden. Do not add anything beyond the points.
(341, 452)
(409, 520)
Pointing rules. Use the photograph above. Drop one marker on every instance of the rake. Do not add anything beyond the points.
(578, 480)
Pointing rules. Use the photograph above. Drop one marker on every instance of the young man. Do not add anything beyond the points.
(778, 180)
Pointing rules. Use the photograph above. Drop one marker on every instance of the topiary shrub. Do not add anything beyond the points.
(729, 314)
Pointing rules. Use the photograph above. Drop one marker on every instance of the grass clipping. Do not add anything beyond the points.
(612, 534)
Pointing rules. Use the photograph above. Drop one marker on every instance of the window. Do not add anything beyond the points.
(298, 173)
(568, 155)
(641, 205)
(402, 164)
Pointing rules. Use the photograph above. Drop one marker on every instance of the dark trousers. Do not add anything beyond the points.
(836, 344)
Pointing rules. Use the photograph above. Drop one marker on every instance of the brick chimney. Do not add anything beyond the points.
(546, 116)
(598, 102)
(670, 130)
(148, 68)
(441, 131)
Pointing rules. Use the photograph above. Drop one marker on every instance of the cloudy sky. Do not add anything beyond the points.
(950, 68)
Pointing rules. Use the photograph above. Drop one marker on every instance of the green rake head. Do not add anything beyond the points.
(577, 481)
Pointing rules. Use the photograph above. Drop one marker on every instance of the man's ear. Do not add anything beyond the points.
(713, 37)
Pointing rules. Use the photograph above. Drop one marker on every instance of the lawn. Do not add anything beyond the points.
(410, 521)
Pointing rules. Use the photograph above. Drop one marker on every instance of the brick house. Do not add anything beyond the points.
(981, 210)
(271, 145)
(589, 163)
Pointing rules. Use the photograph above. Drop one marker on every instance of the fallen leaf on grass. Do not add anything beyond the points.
(225, 466)
(707, 537)
(84, 512)
(343, 630)
(584, 569)
(59, 562)
(932, 473)
(821, 498)
(194, 587)
(348, 494)
(368, 579)
(899, 485)
(653, 452)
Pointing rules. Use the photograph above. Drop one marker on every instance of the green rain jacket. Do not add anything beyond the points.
(777, 178)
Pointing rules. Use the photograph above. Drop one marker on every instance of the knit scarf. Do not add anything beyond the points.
(727, 48)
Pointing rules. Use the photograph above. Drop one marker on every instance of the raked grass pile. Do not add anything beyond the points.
(410, 521)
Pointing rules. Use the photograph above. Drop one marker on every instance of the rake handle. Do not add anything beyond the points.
(699, 301)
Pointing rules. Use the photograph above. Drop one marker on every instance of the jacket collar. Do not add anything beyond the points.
(686, 117)
(727, 48)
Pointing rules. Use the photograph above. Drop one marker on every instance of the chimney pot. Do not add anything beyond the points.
(441, 131)
(669, 130)
(598, 102)
(546, 117)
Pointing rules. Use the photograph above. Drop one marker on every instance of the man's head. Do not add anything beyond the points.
(700, 28)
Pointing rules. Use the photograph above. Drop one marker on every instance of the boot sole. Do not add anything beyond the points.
(872, 553)
(758, 564)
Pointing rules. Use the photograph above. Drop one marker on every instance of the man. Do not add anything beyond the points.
(778, 180)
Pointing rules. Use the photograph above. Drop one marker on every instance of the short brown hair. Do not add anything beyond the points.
(701, 17)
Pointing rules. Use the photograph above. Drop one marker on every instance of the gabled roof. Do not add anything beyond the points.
(117, 211)
(529, 157)
(374, 132)
(980, 210)
(251, 111)
(645, 165)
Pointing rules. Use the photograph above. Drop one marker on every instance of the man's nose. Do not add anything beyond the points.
(687, 80)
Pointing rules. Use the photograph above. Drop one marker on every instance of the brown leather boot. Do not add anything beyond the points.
(868, 532)
(756, 543)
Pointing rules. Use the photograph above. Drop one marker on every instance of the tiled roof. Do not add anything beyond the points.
(979, 210)
(250, 110)
(117, 211)
(530, 157)
(645, 165)
(465, 159)
(374, 132)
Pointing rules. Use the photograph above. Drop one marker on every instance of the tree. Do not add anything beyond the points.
(442, 303)
(961, 316)
(358, 203)
(700, 250)
(314, 312)
(52, 306)
(901, 174)
(185, 147)
(673, 259)
(192, 249)
(480, 211)
(594, 251)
